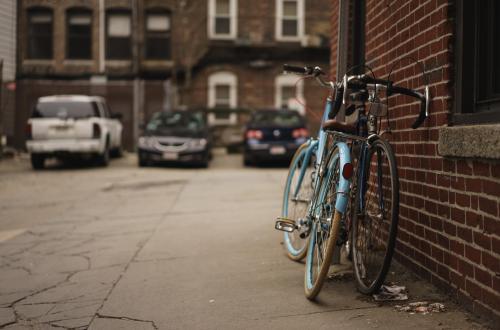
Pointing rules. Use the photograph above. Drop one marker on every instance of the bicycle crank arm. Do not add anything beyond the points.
(285, 224)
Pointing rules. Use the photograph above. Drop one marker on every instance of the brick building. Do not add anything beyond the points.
(449, 229)
(7, 67)
(152, 55)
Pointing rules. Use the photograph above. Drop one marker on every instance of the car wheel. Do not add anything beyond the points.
(141, 161)
(248, 161)
(37, 161)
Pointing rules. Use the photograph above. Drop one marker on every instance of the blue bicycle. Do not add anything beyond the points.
(316, 196)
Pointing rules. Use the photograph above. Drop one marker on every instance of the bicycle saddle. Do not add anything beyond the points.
(334, 125)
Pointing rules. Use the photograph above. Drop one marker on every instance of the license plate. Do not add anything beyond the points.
(61, 128)
(170, 156)
(277, 150)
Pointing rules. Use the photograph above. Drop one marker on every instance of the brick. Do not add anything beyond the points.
(465, 268)
(483, 277)
(457, 279)
(491, 262)
(473, 289)
(491, 225)
(473, 254)
(463, 200)
(457, 247)
(489, 206)
(457, 215)
(481, 169)
(473, 219)
(465, 234)
(491, 188)
(482, 240)
(473, 185)
(464, 167)
(492, 299)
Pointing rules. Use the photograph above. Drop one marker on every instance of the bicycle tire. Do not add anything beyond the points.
(312, 283)
(297, 251)
(374, 233)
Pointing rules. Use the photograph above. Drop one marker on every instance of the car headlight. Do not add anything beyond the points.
(198, 143)
(146, 142)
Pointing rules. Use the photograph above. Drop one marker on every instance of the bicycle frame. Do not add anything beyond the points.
(318, 146)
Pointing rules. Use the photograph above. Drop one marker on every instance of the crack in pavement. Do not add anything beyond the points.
(125, 318)
(140, 246)
(320, 312)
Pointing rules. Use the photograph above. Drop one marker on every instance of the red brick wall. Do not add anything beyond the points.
(449, 229)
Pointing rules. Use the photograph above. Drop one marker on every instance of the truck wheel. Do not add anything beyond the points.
(37, 161)
(103, 159)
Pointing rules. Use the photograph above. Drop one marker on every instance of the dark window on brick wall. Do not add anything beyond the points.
(40, 33)
(157, 38)
(78, 33)
(118, 35)
(477, 62)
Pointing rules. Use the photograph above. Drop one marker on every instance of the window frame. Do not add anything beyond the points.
(166, 35)
(466, 75)
(300, 21)
(233, 23)
(285, 80)
(76, 11)
(41, 10)
(109, 13)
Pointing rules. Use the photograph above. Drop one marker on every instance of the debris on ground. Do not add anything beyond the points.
(343, 276)
(391, 293)
(421, 307)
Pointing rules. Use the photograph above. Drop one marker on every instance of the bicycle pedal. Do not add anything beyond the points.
(285, 224)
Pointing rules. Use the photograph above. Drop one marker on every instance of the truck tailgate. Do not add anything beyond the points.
(55, 128)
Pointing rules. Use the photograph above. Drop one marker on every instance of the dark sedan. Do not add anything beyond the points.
(273, 135)
(176, 136)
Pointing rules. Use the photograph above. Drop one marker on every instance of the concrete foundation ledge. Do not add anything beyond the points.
(481, 141)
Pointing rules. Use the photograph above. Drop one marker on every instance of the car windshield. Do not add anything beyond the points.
(275, 118)
(176, 120)
(66, 109)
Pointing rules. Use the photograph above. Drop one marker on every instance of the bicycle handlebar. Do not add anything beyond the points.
(358, 82)
(311, 71)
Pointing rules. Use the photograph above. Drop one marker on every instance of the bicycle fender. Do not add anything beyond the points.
(309, 151)
(344, 184)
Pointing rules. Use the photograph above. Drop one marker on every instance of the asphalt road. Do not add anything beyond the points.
(169, 248)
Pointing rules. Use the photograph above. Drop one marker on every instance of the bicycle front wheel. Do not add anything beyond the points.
(324, 231)
(376, 216)
(296, 198)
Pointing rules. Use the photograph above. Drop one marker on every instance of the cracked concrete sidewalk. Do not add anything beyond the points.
(106, 249)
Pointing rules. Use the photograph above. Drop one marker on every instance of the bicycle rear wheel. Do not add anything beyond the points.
(296, 198)
(375, 220)
(325, 230)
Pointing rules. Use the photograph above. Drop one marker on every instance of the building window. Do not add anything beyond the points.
(118, 35)
(40, 33)
(222, 94)
(222, 20)
(79, 34)
(478, 85)
(289, 93)
(157, 38)
(222, 90)
(289, 20)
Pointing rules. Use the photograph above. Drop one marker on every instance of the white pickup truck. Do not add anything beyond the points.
(67, 125)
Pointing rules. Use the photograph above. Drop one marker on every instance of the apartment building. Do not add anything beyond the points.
(152, 55)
